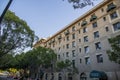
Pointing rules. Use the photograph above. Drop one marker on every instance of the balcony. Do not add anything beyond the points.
(52, 41)
(93, 17)
(59, 37)
(49, 43)
(84, 23)
(111, 7)
(66, 32)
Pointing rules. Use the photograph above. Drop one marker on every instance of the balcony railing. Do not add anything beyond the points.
(59, 37)
(66, 32)
(94, 17)
(84, 23)
(111, 7)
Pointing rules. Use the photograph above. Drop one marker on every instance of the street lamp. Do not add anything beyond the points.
(4, 5)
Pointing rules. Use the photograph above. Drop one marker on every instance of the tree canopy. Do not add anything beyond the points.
(61, 65)
(37, 59)
(80, 3)
(15, 34)
(114, 54)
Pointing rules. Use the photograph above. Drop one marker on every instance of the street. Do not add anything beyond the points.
(6, 78)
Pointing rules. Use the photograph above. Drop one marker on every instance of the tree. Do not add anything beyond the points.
(15, 34)
(64, 66)
(45, 59)
(80, 3)
(36, 60)
(6, 61)
(114, 54)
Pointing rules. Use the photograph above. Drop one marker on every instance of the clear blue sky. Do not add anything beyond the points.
(46, 17)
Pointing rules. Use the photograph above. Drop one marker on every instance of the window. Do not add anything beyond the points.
(80, 50)
(53, 45)
(67, 46)
(63, 46)
(110, 7)
(67, 38)
(102, 10)
(87, 60)
(84, 30)
(104, 18)
(73, 28)
(58, 56)
(99, 58)
(59, 49)
(73, 63)
(80, 60)
(79, 40)
(73, 36)
(98, 45)
(107, 29)
(59, 41)
(73, 53)
(67, 54)
(63, 54)
(96, 34)
(79, 24)
(73, 44)
(64, 39)
(66, 32)
(94, 24)
(86, 39)
(86, 48)
(79, 31)
(93, 17)
(59, 37)
(113, 15)
(84, 23)
(116, 26)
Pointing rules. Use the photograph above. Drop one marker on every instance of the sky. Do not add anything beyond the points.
(46, 17)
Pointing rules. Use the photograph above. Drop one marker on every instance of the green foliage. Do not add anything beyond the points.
(45, 56)
(114, 54)
(15, 34)
(30, 60)
(6, 61)
(38, 56)
(63, 64)
(80, 3)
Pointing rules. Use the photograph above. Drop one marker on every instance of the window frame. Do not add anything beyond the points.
(117, 25)
(86, 39)
(99, 58)
(86, 49)
(73, 44)
(98, 46)
(113, 15)
(96, 34)
(94, 25)
(87, 60)
(73, 53)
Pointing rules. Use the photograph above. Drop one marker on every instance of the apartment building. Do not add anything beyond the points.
(85, 42)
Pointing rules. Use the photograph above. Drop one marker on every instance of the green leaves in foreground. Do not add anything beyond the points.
(15, 34)
(114, 54)
(63, 64)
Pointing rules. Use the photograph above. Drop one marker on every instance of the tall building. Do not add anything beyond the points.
(85, 42)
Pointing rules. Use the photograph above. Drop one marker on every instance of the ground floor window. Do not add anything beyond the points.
(70, 76)
(59, 76)
(83, 76)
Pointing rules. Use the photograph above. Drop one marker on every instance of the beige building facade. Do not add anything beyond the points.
(85, 42)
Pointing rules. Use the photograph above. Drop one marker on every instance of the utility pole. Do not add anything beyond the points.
(4, 11)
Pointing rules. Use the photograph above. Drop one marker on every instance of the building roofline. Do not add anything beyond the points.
(80, 18)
